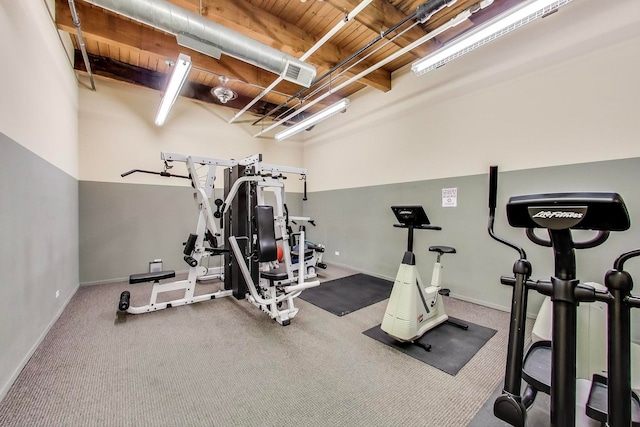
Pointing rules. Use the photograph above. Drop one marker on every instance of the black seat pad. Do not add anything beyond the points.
(275, 275)
(442, 249)
(151, 277)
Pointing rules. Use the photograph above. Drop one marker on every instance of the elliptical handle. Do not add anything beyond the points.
(619, 262)
(493, 187)
(599, 239)
(531, 235)
(493, 191)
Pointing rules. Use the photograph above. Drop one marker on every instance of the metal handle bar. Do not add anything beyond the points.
(599, 239)
(619, 262)
(163, 173)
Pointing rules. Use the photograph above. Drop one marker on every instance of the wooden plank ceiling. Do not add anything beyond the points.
(126, 50)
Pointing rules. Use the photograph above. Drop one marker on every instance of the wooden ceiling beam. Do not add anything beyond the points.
(116, 70)
(380, 16)
(111, 28)
(256, 23)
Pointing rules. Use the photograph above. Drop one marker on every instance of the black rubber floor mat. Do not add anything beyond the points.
(348, 294)
(451, 347)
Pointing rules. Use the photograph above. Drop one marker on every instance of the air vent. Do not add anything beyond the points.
(298, 74)
(292, 72)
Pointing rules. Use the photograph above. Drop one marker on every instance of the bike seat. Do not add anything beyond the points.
(442, 249)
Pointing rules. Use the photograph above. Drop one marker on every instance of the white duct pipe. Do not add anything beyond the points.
(198, 33)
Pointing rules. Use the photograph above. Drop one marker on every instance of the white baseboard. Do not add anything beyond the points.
(105, 282)
(452, 295)
(488, 304)
(369, 273)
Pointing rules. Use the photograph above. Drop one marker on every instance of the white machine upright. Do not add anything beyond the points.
(414, 307)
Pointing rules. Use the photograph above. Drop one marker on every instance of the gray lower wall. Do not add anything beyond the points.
(38, 252)
(358, 223)
(124, 226)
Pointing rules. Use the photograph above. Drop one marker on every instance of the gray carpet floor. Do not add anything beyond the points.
(225, 363)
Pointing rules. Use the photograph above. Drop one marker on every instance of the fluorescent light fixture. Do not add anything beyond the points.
(501, 25)
(316, 118)
(176, 81)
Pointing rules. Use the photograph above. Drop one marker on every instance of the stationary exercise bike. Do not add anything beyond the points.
(414, 309)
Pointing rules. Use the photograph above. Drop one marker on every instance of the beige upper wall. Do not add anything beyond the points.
(39, 102)
(117, 134)
(562, 90)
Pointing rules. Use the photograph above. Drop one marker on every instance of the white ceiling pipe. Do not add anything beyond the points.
(307, 54)
(336, 28)
(198, 33)
(256, 99)
(461, 17)
(83, 47)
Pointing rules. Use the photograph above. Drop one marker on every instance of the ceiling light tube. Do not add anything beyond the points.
(176, 81)
(332, 110)
(501, 25)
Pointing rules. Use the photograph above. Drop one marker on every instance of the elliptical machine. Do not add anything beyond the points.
(611, 400)
(414, 309)
(558, 213)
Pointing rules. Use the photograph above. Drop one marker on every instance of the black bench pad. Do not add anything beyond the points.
(151, 277)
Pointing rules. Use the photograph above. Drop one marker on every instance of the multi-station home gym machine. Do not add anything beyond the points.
(254, 271)
(245, 185)
(552, 367)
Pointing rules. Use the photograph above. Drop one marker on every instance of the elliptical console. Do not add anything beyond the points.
(578, 211)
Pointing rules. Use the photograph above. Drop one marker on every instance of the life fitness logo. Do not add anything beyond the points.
(557, 217)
